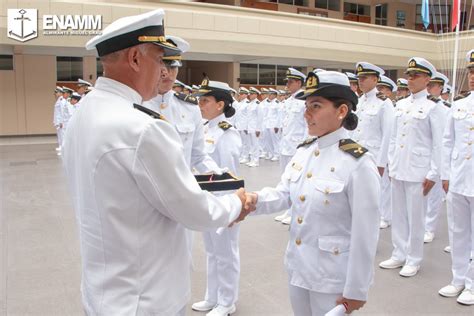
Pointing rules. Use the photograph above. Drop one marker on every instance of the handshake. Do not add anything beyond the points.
(249, 204)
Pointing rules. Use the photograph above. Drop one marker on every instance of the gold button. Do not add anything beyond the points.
(405, 123)
(333, 169)
(468, 157)
(472, 128)
(326, 202)
(327, 191)
(336, 251)
(182, 116)
(316, 153)
(469, 143)
(298, 241)
(300, 219)
(309, 175)
(302, 198)
(403, 134)
(401, 146)
(162, 106)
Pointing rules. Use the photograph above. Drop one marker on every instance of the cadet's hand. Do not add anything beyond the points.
(427, 185)
(351, 305)
(446, 185)
(246, 132)
(257, 133)
(276, 130)
(381, 170)
(247, 206)
(251, 201)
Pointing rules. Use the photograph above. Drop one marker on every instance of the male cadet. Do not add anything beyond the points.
(446, 92)
(263, 110)
(57, 117)
(376, 114)
(271, 125)
(254, 126)
(75, 98)
(457, 175)
(414, 158)
(66, 109)
(354, 82)
(132, 190)
(241, 123)
(178, 86)
(437, 195)
(83, 86)
(386, 86)
(402, 89)
(181, 111)
(294, 127)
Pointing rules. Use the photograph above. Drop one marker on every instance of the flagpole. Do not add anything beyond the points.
(456, 51)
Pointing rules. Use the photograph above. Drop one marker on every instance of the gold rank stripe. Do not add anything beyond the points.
(145, 38)
(172, 58)
(350, 146)
(210, 141)
(418, 69)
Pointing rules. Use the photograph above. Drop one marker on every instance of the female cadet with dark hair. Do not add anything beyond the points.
(223, 145)
(332, 185)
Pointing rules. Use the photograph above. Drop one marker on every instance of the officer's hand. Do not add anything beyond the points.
(446, 185)
(351, 305)
(257, 133)
(251, 201)
(276, 130)
(247, 205)
(427, 185)
(60, 125)
(381, 170)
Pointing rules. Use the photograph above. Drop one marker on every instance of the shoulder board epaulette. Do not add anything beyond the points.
(258, 102)
(247, 101)
(402, 97)
(186, 98)
(447, 104)
(224, 125)
(432, 98)
(277, 101)
(153, 114)
(352, 148)
(462, 96)
(381, 96)
(306, 142)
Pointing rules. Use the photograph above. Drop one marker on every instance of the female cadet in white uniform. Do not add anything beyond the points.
(457, 175)
(333, 187)
(223, 144)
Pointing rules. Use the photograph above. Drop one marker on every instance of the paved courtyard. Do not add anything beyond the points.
(40, 260)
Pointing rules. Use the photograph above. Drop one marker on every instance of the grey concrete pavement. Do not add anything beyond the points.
(40, 260)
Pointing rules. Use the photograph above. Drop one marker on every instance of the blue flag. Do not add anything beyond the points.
(425, 13)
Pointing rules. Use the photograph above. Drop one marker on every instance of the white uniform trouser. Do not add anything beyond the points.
(408, 221)
(59, 132)
(268, 142)
(262, 144)
(275, 140)
(223, 266)
(244, 154)
(253, 147)
(462, 208)
(309, 303)
(386, 198)
(435, 202)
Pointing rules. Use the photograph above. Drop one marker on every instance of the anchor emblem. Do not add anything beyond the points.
(24, 27)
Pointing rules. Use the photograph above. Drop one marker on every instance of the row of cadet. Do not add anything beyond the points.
(330, 182)
(66, 104)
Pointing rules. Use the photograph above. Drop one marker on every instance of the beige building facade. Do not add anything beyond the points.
(235, 43)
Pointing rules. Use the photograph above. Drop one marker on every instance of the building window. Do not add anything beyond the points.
(333, 5)
(381, 14)
(267, 75)
(100, 68)
(401, 18)
(440, 21)
(303, 3)
(69, 68)
(248, 74)
(356, 12)
(6, 62)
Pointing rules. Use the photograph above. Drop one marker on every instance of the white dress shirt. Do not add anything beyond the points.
(294, 127)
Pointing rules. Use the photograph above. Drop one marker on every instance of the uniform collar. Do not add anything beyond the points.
(372, 93)
(293, 95)
(332, 138)
(419, 95)
(216, 120)
(118, 88)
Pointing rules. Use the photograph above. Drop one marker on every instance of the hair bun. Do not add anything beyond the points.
(229, 111)
(351, 121)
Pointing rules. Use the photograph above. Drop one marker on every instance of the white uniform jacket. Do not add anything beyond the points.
(375, 125)
(271, 121)
(66, 112)
(187, 120)
(223, 143)
(134, 195)
(294, 127)
(57, 115)
(254, 116)
(415, 142)
(334, 230)
(242, 116)
(458, 147)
